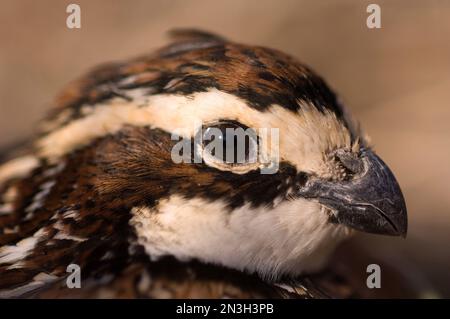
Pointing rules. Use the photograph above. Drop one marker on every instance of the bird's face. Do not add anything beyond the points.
(281, 221)
(312, 181)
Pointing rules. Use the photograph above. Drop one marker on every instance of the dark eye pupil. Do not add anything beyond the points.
(231, 143)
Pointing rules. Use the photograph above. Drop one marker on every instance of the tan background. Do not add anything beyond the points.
(396, 80)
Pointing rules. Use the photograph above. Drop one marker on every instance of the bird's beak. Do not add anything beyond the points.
(371, 202)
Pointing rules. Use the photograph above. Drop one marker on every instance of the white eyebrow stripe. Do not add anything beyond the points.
(310, 129)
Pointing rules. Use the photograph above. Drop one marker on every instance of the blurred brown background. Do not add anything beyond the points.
(396, 81)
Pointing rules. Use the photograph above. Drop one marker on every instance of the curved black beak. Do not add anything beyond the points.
(371, 201)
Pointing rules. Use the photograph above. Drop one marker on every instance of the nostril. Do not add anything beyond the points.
(350, 161)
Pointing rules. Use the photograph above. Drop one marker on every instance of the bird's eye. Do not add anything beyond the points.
(229, 144)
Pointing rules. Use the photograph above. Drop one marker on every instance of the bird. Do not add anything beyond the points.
(98, 186)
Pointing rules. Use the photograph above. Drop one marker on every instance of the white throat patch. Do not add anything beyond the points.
(292, 238)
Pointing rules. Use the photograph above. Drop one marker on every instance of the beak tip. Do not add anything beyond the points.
(402, 231)
(402, 222)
